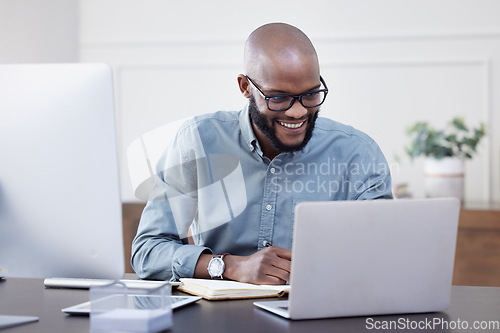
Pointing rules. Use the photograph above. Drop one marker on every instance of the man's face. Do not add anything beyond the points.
(285, 133)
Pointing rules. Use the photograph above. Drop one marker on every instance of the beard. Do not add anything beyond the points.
(262, 123)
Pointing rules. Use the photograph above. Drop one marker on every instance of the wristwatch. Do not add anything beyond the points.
(216, 266)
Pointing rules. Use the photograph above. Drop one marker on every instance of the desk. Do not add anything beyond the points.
(29, 297)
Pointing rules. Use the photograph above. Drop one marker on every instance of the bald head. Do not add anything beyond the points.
(278, 48)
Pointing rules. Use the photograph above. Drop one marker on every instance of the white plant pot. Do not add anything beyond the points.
(444, 177)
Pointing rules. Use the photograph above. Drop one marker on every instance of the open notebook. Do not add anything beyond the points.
(225, 289)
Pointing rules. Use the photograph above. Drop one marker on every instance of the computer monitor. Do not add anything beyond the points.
(60, 210)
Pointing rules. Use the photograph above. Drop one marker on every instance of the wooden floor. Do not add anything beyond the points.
(477, 260)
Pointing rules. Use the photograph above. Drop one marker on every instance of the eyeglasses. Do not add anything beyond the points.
(309, 99)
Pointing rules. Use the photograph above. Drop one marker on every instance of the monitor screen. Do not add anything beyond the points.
(60, 210)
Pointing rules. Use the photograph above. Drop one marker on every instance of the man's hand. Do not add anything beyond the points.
(268, 266)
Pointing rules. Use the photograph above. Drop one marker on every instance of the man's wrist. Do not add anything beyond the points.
(201, 271)
(231, 263)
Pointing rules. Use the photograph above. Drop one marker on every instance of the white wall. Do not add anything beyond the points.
(387, 64)
(39, 31)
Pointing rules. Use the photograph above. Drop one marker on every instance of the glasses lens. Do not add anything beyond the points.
(278, 103)
(310, 100)
(313, 99)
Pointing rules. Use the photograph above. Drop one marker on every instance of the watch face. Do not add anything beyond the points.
(216, 267)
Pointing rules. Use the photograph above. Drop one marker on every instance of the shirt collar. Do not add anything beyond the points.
(247, 131)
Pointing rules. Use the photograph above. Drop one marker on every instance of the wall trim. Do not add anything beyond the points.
(426, 62)
(331, 38)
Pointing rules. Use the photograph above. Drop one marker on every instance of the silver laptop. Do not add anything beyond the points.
(361, 258)
(60, 210)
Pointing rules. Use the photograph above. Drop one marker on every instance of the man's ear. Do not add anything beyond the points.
(244, 85)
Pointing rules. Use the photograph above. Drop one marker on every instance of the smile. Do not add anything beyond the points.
(288, 125)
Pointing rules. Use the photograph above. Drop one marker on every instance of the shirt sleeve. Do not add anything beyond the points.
(157, 250)
(161, 249)
(373, 178)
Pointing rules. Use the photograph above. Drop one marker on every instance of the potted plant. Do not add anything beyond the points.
(445, 151)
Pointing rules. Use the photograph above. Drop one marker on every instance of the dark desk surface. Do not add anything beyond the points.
(29, 297)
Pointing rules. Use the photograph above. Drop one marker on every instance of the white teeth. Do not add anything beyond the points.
(291, 125)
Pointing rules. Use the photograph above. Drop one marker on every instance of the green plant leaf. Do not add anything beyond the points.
(455, 140)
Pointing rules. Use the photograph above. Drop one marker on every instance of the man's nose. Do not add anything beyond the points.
(296, 111)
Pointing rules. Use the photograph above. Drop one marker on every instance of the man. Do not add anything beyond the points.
(231, 180)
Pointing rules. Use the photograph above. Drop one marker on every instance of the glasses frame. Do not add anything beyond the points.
(294, 97)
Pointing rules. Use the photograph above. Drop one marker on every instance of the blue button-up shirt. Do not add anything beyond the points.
(215, 185)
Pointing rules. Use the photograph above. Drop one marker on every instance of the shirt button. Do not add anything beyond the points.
(269, 207)
(273, 170)
(266, 243)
